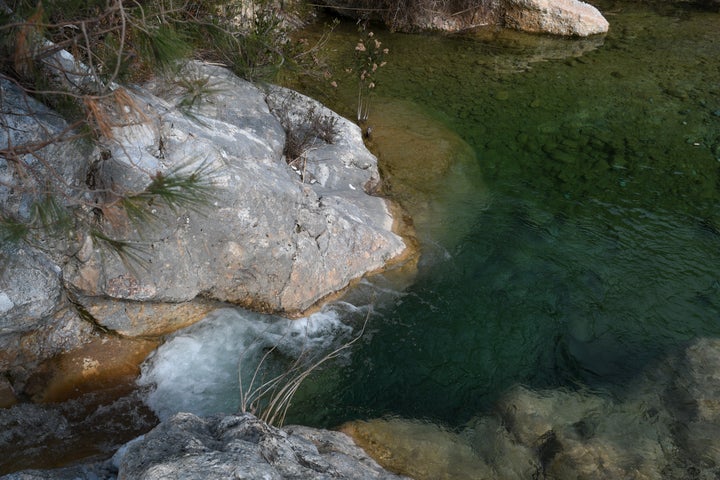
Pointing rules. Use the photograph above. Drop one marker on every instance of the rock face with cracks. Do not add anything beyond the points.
(222, 447)
(271, 239)
(554, 17)
(241, 446)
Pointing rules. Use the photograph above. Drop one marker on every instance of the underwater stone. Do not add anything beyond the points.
(423, 451)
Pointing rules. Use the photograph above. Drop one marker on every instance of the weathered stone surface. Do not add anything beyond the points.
(30, 290)
(36, 320)
(558, 17)
(240, 446)
(133, 319)
(269, 241)
(26, 125)
(694, 399)
(219, 448)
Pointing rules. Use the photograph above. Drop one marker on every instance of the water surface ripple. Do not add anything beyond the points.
(597, 255)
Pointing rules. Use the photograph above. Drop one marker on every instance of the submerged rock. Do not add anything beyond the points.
(693, 397)
(579, 434)
(429, 169)
(102, 363)
(420, 450)
(554, 434)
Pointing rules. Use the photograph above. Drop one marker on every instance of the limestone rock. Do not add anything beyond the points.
(270, 241)
(421, 450)
(557, 17)
(30, 290)
(240, 446)
(694, 399)
(36, 319)
(26, 122)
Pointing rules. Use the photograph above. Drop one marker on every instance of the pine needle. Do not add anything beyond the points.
(12, 230)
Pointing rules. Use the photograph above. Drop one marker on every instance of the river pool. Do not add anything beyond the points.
(595, 250)
(573, 246)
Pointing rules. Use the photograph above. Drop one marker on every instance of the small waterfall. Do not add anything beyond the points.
(198, 369)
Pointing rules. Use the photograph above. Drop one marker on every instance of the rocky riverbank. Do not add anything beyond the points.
(235, 446)
(664, 426)
(277, 237)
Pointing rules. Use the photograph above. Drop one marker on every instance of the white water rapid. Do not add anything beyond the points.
(197, 369)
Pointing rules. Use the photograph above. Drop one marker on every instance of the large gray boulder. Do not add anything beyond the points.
(187, 447)
(272, 240)
(557, 17)
(243, 447)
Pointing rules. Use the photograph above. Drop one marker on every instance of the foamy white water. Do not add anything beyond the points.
(196, 369)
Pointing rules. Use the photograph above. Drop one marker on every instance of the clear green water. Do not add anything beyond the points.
(599, 249)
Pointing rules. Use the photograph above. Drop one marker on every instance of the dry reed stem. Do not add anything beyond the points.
(282, 388)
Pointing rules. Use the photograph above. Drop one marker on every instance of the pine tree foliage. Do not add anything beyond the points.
(73, 55)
